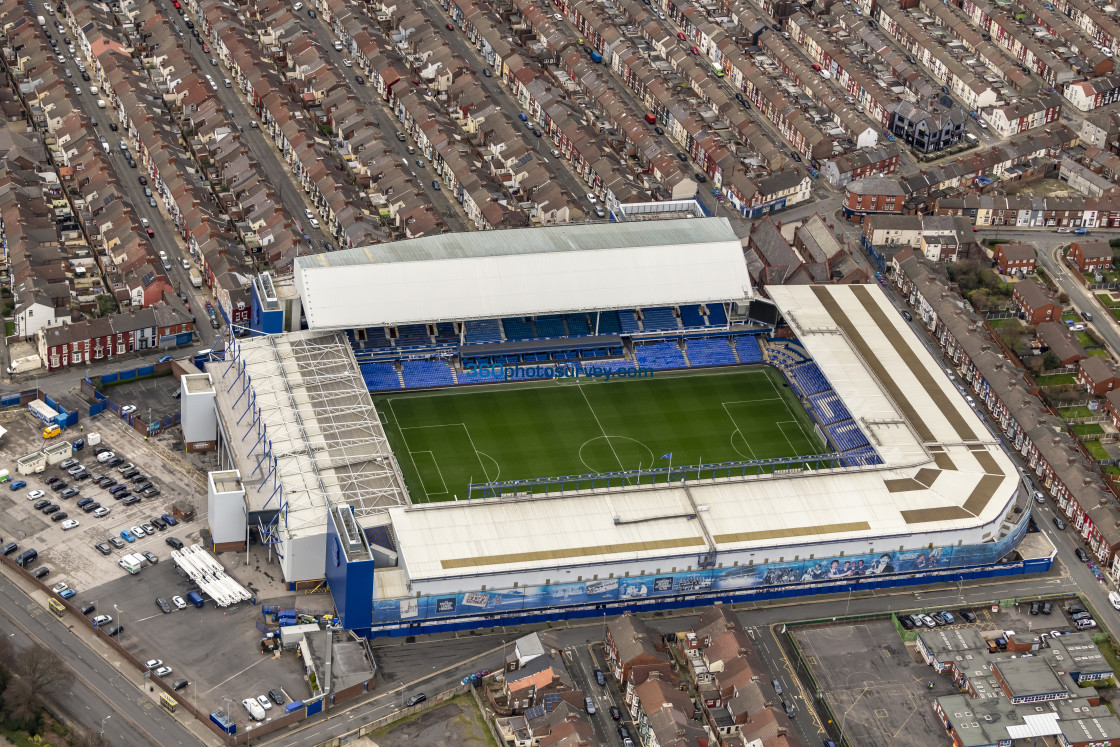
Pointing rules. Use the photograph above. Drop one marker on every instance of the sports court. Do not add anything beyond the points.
(446, 439)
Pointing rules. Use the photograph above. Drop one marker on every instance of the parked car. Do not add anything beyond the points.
(17, 485)
(130, 500)
(164, 607)
(100, 512)
(277, 696)
(103, 548)
(175, 543)
(1081, 554)
(128, 536)
(178, 602)
(417, 698)
(116, 542)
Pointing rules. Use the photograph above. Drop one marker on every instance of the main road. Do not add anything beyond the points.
(97, 696)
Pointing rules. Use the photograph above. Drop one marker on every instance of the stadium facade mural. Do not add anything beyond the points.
(819, 570)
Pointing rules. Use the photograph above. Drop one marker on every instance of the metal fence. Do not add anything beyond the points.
(376, 724)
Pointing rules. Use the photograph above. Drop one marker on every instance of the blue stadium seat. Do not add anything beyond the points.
(551, 327)
(710, 351)
(717, 317)
(628, 321)
(422, 373)
(413, 335)
(610, 322)
(446, 334)
(482, 331)
(748, 349)
(809, 379)
(518, 329)
(577, 325)
(659, 318)
(622, 364)
(864, 456)
(847, 436)
(659, 355)
(380, 377)
(829, 408)
(691, 316)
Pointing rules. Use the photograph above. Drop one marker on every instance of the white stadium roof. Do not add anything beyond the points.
(942, 471)
(524, 272)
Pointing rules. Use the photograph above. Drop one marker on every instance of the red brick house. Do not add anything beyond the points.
(1098, 376)
(1018, 257)
(1088, 256)
(634, 652)
(876, 194)
(1036, 302)
(1056, 337)
(1112, 403)
(93, 340)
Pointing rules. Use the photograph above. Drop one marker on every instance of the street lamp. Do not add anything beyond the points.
(120, 622)
(103, 725)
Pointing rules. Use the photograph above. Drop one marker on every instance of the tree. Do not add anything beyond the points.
(94, 738)
(38, 674)
(106, 304)
(1050, 361)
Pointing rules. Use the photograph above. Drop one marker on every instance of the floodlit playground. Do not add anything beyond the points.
(584, 426)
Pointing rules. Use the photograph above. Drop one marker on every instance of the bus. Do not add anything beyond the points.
(168, 702)
(57, 607)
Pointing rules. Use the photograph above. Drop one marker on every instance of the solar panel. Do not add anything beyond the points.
(534, 712)
(551, 700)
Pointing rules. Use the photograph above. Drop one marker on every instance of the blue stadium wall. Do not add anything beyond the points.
(534, 604)
(350, 582)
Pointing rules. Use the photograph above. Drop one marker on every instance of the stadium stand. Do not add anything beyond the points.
(380, 376)
(691, 317)
(621, 364)
(717, 317)
(412, 335)
(809, 379)
(550, 327)
(483, 330)
(577, 325)
(446, 334)
(610, 322)
(659, 355)
(847, 436)
(518, 329)
(864, 456)
(659, 318)
(375, 337)
(628, 320)
(829, 408)
(748, 350)
(710, 351)
(419, 373)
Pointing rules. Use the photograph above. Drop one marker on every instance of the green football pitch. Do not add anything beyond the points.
(446, 439)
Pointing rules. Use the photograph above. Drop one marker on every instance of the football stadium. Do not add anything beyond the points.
(491, 428)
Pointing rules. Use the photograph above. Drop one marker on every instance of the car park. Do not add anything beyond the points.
(105, 456)
(171, 520)
(150, 557)
(148, 528)
(69, 593)
(117, 489)
(9, 548)
(967, 616)
(17, 485)
(40, 572)
(906, 622)
(35, 495)
(100, 512)
(178, 602)
(59, 486)
(128, 536)
(116, 542)
(60, 516)
(162, 672)
(52, 508)
(131, 500)
(69, 524)
(179, 684)
(151, 664)
(164, 607)
(158, 523)
(84, 502)
(129, 473)
(122, 494)
(74, 469)
(41, 504)
(115, 631)
(68, 493)
(277, 696)
(265, 702)
(103, 548)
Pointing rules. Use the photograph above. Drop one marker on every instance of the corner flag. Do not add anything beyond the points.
(668, 456)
